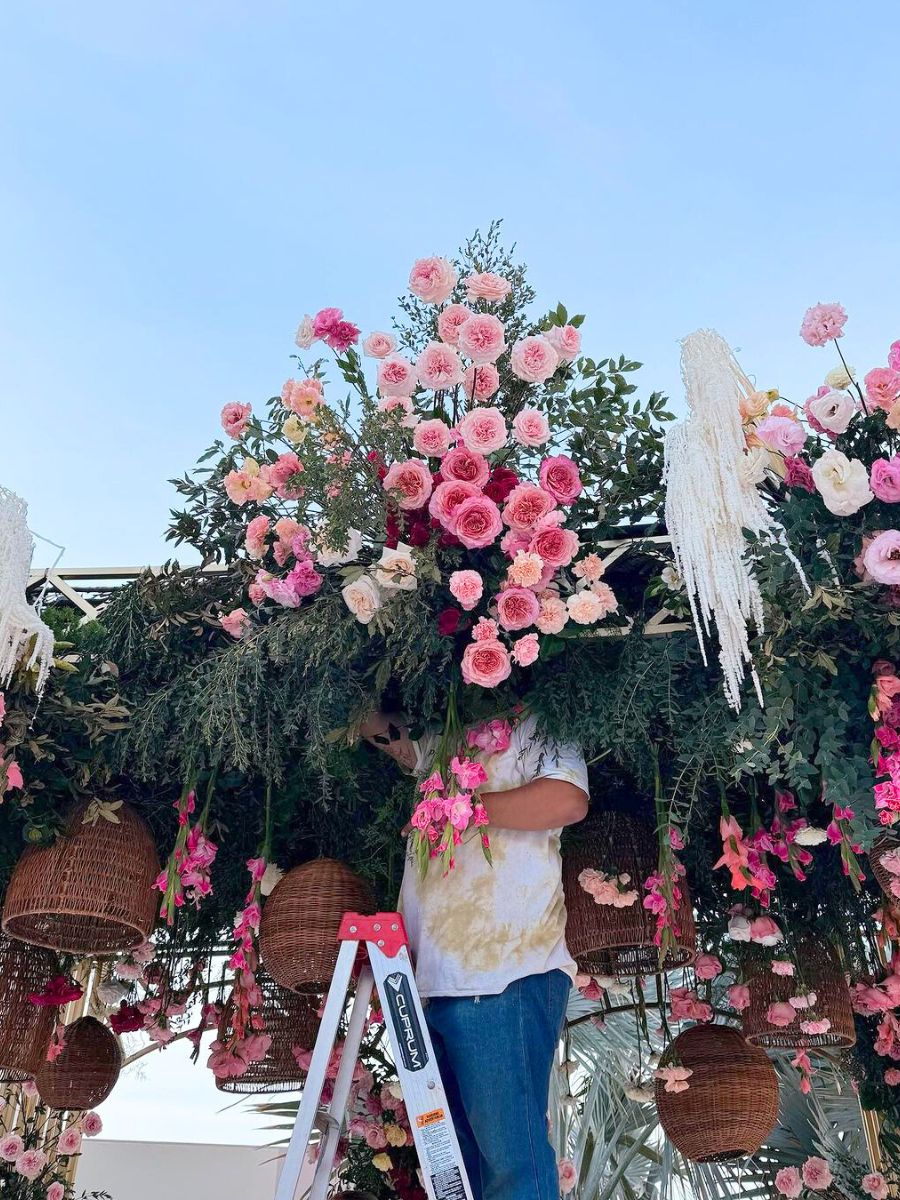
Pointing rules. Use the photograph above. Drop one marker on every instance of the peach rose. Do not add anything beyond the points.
(483, 430)
(517, 608)
(553, 615)
(447, 498)
(530, 427)
(481, 338)
(556, 546)
(465, 465)
(525, 506)
(883, 387)
(432, 279)
(584, 608)
(559, 476)
(412, 480)
(432, 438)
(477, 522)
(449, 321)
(303, 396)
(533, 359)
(481, 382)
(485, 663)
(363, 598)
(438, 367)
(487, 286)
(755, 405)
(565, 340)
(396, 376)
(379, 345)
(466, 587)
(526, 570)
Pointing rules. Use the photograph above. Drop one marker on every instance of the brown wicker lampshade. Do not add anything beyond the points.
(91, 891)
(731, 1104)
(619, 941)
(25, 1029)
(300, 921)
(818, 971)
(291, 1021)
(86, 1071)
(887, 880)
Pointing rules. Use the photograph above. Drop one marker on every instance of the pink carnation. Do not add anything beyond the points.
(739, 996)
(875, 1185)
(707, 967)
(477, 522)
(884, 479)
(481, 382)
(530, 427)
(481, 338)
(235, 623)
(335, 332)
(466, 587)
(565, 340)
(396, 376)
(526, 649)
(822, 323)
(882, 557)
(485, 663)
(483, 430)
(466, 466)
(11, 1146)
(487, 286)
(235, 418)
(31, 1163)
(533, 359)
(485, 630)
(379, 345)
(438, 367)
(447, 498)
(780, 1014)
(525, 506)
(432, 279)
(555, 545)
(412, 480)
(781, 966)
(493, 736)
(92, 1124)
(788, 1182)
(782, 434)
(817, 1174)
(765, 932)
(517, 608)
(567, 1174)
(449, 321)
(883, 387)
(559, 476)
(798, 474)
(553, 615)
(432, 438)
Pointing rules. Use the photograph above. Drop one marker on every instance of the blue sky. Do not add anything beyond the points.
(181, 182)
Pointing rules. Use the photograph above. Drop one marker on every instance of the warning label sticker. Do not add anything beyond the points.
(429, 1118)
(448, 1185)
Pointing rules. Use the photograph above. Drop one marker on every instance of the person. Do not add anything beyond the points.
(490, 953)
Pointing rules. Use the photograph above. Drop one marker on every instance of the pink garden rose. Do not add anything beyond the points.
(780, 1014)
(788, 1182)
(303, 396)
(55, 1191)
(517, 608)
(530, 427)
(565, 340)
(781, 434)
(485, 663)
(235, 623)
(884, 479)
(466, 587)
(708, 967)
(525, 506)
(438, 367)
(882, 557)
(832, 411)
(483, 430)
(480, 383)
(447, 498)
(403, 404)
(235, 418)
(285, 467)
(11, 1146)
(477, 522)
(31, 1163)
(379, 345)
(255, 539)
(822, 323)
(883, 387)
(892, 1077)
(306, 333)
(481, 338)
(487, 286)
(396, 376)
(875, 1185)
(555, 545)
(412, 480)
(69, 1141)
(432, 279)
(432, 438)
(533, 359)
(739, 996)
(559, 476)
(553, 615)
(765, 932)
(92, 1124)
(817, 1174)
(465, 465)
(526, 649)
(449, 321)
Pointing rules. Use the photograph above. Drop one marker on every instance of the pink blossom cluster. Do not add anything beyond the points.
(612, 890)
(884, 709)
(187, 874)
(381, 1119)
(665, 896)
(686, 1005)
(447, 809)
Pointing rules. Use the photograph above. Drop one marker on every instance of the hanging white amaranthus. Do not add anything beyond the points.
(712, 497)
(23, 635)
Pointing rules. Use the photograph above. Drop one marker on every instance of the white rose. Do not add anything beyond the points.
(326, 556)
(842, 483)
(810, 836)
(305, 333)
(671, 579)
(396, 569)
(739, 928)
(833, 411)
(839, 377)
(755, 463)
(272, 875)
(363, 598)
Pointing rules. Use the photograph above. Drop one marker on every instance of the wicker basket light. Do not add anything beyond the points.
(605, 940)
(25, 1029)
(731, 1104)
(91, 891)
(292, 1022)
(820, 972)
(300, 921)
(87, 1069)
(887, 880)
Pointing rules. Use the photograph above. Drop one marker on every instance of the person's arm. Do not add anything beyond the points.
(391, 736)
(542, 804)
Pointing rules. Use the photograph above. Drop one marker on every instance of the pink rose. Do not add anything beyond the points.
(11, 1146)
(526, 649)
(565, 340)
(483, 430)
(765, 932)
(432, 438)
(92, 1124)
(817, 1174)
(530, 427)
(493, 736)
(438, 367)
(235, 623)
(465, 465)
(875, 1185)
(780, 1014)
(882, 557)
(892, 1077)
(396, 376)
(448, 497)
(789, 1183)
(485, 663)
(782, 434)
(400, 404)
(379, 345)
(477, 522)
(884, 479)
(555, 545)
(517, 608)
(55, 1191)
(739, 996)
(466, 587)
(31, 1163)
(14, 777)
(481, 383)
(894, 356)
(449, 321)
(487, 286)
(432, 279)
(822, 323)
(69, 1142)
(235, 418)
(707, 967)
(525, 506)
(285, 467)
(559, 476)
(533, 359)
(553, 615)
(412, 480)
(883, 387)
(303, 396)
(255, 537)
(481, 338)
(485, 630)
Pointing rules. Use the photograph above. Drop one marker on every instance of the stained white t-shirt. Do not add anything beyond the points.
(480, 927)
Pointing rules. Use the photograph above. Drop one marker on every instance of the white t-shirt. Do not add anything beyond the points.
(480, 927)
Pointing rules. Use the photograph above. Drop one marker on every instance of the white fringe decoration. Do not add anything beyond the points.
(20, 625)
(711, 498)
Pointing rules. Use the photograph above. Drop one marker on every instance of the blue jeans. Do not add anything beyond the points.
(495, 1055)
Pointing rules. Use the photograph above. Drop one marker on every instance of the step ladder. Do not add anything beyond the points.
(388, 967)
